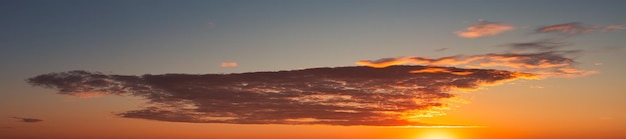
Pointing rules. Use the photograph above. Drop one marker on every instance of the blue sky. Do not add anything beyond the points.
(197, 35)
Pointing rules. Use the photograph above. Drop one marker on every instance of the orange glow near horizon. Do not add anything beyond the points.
(437, 134)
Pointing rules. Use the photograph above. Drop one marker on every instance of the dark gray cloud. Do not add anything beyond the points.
(540, 45)
(28, 120)
(569, 28)
(578, 28)
(334, 96)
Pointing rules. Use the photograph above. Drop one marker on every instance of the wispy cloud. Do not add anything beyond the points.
(613, 28)
(28, 120)
(578, 28)
(484, 28)
(211, 25)
(229, 64)
(541, 45)
(543, 60)
(392, 96)
(570, 28)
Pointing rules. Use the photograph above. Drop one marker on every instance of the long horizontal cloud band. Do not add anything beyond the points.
(395, 95)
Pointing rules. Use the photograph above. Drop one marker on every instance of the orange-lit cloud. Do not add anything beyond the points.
(441, 70)
(544, 61)
(578, 28)
(229, 64)
(484, 28)
(391, 96)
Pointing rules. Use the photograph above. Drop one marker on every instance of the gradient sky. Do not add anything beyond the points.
(585, 99)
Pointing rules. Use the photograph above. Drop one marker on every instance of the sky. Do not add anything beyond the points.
(272, 69)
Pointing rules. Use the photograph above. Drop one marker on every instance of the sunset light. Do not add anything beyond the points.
(437, 134)
(312, 69)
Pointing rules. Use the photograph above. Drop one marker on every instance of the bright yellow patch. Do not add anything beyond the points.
(437, 134)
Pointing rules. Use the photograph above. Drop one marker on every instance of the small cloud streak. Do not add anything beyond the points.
(28, 120)
(484, 28)
(569, 28)
(392, 96)
(229, 64)
(211, 25)
(541, 45)
(578, 28)
(613, 28)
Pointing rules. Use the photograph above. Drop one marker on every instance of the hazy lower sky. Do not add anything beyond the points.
(348, 69)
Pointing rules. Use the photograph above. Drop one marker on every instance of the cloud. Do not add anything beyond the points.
(578, 28)
(441, 70)
(541, 45)
(211, 25)
(570, 28)
(613, 28)
(392, 96)
(484, 28)
(229, 64)
(543, 60)
(28, 120)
